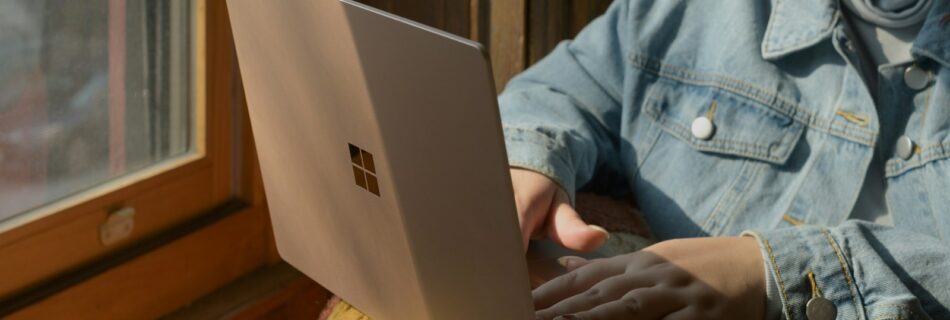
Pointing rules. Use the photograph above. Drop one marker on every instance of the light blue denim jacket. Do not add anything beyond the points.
(795, 131)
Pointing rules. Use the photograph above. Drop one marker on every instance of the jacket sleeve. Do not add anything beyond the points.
(867, 271)
(561, 117)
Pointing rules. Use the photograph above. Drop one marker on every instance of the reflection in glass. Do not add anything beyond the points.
(89, 91)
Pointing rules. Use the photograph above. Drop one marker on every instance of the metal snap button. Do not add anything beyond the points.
(916, 77)
(819, 308)
(703, 128)
(905, 147)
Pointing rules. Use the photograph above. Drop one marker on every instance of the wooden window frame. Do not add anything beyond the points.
(57, 248)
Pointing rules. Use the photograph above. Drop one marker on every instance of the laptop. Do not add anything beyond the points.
(383, 159)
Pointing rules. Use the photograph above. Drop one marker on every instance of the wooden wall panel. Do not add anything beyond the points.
(582, 12)
(517, 33)
(457, 15)
(551, 21)
(449, 15)
(507, 39)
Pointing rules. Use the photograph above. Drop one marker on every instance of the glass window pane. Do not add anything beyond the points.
(90, 91)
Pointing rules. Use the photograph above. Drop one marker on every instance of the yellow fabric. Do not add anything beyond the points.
(344, 311)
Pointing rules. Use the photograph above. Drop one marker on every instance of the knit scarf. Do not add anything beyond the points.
(890, 13)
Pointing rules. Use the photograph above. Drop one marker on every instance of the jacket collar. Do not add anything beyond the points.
(934, 38)
(798, 24)
(795, 25)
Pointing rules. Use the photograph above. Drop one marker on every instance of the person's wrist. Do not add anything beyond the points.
(756, 295)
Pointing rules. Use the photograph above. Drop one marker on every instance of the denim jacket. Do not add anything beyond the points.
(794, 129)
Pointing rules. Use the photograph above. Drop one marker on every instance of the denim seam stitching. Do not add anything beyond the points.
(928, 187)
(844, 270)
(786, 107)
(750, 150)
(791, 109)
(778, 276)
(549, 144)
(841, 129)
(768, 29)
(796, 43)
(923, 115)
(914, 163)
(845, 76)
(725, 198)
(929, 153)
(754, 174)
(657, 133)
(810, 167)
(553, 142)
(654, 140)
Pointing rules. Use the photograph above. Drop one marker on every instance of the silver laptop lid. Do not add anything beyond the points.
(427, 228)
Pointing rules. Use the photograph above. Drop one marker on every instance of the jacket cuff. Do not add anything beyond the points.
(791, 253)
(532, 150)
(773, 302)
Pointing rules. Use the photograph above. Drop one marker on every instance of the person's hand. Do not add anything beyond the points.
(544, 211)
(699, 278)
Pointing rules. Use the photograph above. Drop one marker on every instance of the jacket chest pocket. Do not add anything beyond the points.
(711, 147)
(738, 127)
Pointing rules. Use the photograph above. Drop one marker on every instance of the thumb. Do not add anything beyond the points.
(566, 227)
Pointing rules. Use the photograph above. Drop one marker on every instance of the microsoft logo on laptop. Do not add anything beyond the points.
(364, 169)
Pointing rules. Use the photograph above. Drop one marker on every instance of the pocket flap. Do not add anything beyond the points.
(742, 127)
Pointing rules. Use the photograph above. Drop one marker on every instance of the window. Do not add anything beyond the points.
(105, 111)
(89, 91)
